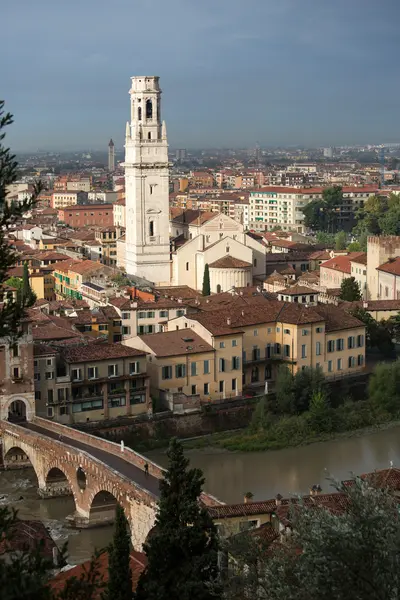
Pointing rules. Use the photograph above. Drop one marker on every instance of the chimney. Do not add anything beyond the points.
(242, 313)
(228, 320)
(248, 497)
(365, 305)
(278, 499)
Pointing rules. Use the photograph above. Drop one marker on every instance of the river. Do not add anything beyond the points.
(228, 476)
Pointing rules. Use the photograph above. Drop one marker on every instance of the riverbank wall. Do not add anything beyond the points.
(152, 431)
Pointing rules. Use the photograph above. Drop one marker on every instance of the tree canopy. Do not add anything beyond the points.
(350, 290)
(322, 214)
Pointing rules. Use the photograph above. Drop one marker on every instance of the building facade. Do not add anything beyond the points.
(82, 215)
(147, 185)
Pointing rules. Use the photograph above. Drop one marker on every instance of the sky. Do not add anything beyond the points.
(233, 72)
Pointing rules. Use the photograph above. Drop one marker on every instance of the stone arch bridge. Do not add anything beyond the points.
(96, 472)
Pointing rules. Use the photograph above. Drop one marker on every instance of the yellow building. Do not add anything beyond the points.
(272, 333)
(185, 370)
(42, 284)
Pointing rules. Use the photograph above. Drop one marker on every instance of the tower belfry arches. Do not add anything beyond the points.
(147, 185)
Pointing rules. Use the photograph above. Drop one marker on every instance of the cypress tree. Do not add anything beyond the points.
(206, 281)
(182, 551)
(119, 585)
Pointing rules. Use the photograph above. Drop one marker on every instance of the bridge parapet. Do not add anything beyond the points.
(127, 454)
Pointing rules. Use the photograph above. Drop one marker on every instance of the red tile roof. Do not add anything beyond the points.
(392, 266)
(176, 343)
(341, 263)
(100, 352)
(27, 536)
(229, 262)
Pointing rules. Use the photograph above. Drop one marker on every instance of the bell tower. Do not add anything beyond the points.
(147, 185)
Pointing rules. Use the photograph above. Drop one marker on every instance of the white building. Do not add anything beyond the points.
(119, 213)
(104, 197)
(241, 212)
(147, 185)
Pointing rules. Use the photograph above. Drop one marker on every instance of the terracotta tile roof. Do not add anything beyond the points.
(297, 289)
(138, 562)
(181, 291)
(336, 319)
(373, 305)
(266, 533)
(27, 536)
(121, 302)
(341, 263)
(360, 260)
(194, 217)
(383, 478)
(392, 266)
(288, 270)
(245, 509)
(94, 352)
(304, 191)
(176, 343)
(229, 262)
(43, 350)
(320, 255)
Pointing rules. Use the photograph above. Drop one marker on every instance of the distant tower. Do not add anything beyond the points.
(147, 185)
(111, 156)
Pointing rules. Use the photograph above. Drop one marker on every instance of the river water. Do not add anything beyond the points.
(228, 476)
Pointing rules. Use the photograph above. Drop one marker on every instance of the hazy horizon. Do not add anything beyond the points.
(233, 73)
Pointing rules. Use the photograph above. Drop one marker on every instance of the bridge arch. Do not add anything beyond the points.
(103, 504)
(18, 408)
(21, 455)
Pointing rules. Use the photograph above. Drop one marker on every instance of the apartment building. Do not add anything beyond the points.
(201, 179)
(105, 197)
(83, 215)
(106, 237)
(241, 212)
(143, 317)
(273, 333)
(17, 397)
(185, 370)
(69, 276)
(103, 320)
(90, 383)
(119, 213)
(67, 198)
(65, 183)
(282, 206)
(335, 270)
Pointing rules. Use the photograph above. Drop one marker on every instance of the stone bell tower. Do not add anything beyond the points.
(147, 185)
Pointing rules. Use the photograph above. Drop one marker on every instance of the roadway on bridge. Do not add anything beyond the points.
(135, 474)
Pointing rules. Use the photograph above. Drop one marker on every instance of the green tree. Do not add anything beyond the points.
(384, 386)
(119, 586)
(342, 554)
(182, 552)
(306, 382)
(120, 280)
(28, 296)
(261, 418)
(320, 413)
(378, 335)
(15, 282)
(284, 389)
(350, 290)
(322, 214)
(10, 312)
(27, 575)
(340, 240)
(325, 238)
(206, 281)
(315, 216)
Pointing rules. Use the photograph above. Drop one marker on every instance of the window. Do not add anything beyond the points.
(206, 389)
(151, 228)
(126, 330)
(115, 402)
(35, 363)
(221, 386)
(352, 362)
(112, 370)
(193, 369)
(339, 344)
(103, 327)
(64, 410)
(235, 363)
(187, 266)
(360, 360)
(180, 371)
(303, 351)
(351, 342)
(49, 375)
(234, 385)
(93, 373)
(234, 343)
(318, 349)
(126, 316)
(277, 348)
(206, 367)
(134, 368)
(360, 341)
(194, 390)
(163, 314)
(255, 332)
(36, 376)
(149, 109)
(37, 395)
(221, 365)
(278, 330)
(268, 351)
(50, 396)
(142, 315)
(61, 395)
(149, 138)
(331, 346)
(87, 405)
(269, 330)
(268, 372)
(319, 330)
(166, 372)
(180, 312)
(49, 361)
(15, 351)
(254, 374)
(304, 332)
(339, 364)
(286, 331)
(329, 366)
(286, 350)
(76, 375)
(222, 344)
(50, 411)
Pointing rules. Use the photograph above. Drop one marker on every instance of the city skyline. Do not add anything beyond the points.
(281, 74)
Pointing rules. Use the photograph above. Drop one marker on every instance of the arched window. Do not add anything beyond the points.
(139, 113)
(149, 135)
(149, 109)
(254, 374)
(218, 289)
(151, 228)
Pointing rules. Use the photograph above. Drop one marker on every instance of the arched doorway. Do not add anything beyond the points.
(17, 411)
